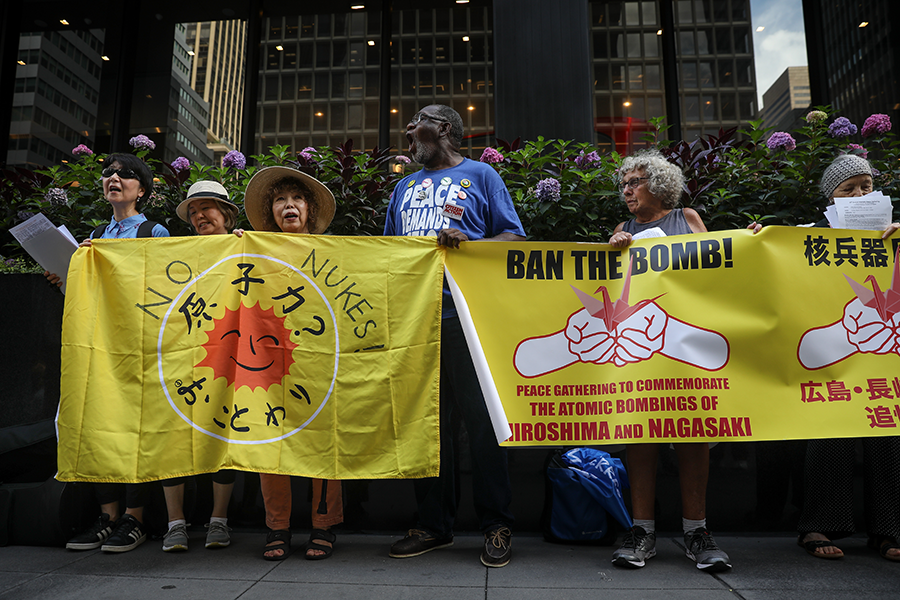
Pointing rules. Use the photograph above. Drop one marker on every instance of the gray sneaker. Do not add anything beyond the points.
(176, 540)
(636, 548)
(217, 536)
(700, 546)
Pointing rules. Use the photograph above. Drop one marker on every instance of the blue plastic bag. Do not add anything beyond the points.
(603, 477)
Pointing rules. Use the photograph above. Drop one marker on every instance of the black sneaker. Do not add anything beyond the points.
(127, 535)
(418, 542)
(93, 536)
(497, 547)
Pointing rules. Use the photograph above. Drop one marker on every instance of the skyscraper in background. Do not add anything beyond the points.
(854, 56)
(56, 96)
(188, 111)
(787, 99)
(217, 73)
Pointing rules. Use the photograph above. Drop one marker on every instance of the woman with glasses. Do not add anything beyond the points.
(127, 183)
(651, 188)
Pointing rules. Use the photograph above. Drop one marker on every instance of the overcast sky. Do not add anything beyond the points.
(781, 44)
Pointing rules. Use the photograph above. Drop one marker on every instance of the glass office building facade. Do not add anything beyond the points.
(319, 74)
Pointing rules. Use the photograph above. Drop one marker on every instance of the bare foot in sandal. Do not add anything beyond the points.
(320, 545)
(819, 546)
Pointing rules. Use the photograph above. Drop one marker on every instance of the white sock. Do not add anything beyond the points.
(690, 525)
(176, 522)
(222, 520)
(648, 525)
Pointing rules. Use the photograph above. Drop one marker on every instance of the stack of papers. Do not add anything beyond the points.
(871, 212)
(51, 247)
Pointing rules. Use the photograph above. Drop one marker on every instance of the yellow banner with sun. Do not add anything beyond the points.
(273, 353)
(793, 333)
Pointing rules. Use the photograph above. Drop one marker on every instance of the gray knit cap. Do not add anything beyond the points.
(840, 170)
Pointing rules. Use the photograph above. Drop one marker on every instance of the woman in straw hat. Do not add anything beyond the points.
(287, 200)
(209, 212)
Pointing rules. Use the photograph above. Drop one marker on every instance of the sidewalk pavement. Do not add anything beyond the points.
(764, 567)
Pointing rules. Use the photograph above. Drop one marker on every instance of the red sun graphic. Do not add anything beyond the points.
(249, 347)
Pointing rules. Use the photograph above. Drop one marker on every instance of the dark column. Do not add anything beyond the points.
(384, 83)
(124, 58)
(10, 16)
(251, 83)
(670, 69)
(819, 93)
(542, 70)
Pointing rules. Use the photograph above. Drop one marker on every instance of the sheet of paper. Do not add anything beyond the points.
(47, 245)
(653, 232)
(870, 212)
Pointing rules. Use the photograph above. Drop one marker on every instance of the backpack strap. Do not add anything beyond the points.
(146, 229)
(99, 231)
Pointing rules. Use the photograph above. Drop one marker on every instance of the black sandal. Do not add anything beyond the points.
(324, 535)
(283, 537)
(883, 543)
(812, 545)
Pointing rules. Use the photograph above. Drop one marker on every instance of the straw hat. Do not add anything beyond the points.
(212, 190)
(259, 214)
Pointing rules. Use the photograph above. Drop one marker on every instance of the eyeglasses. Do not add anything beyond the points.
(419, 116)
(631, 183)
(122, 173)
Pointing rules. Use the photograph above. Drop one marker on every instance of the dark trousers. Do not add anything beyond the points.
(460, 391)
(136, 494)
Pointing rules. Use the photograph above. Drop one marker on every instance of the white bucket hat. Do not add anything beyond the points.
(212, 190)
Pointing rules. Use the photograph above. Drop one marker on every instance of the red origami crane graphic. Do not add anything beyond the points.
(887, 303)
(612, 313)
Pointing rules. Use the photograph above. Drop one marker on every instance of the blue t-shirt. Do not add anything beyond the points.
(418, 202)
(128, 228)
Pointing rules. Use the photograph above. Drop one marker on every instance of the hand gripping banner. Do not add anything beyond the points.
(275, 353)
(793, 333)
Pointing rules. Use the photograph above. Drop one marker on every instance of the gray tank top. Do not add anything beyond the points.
(673, 223)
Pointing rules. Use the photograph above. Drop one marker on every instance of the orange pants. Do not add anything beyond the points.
(276, 491)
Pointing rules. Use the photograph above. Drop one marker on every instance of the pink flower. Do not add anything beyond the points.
(857, 150)
(81, 150)
(491, 156)
(403, 160)
(877, 123)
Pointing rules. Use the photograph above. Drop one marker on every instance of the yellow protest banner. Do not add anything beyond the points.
(275, 353)
(788, 334)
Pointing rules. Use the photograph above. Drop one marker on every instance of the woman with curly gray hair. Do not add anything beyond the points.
(651, 187)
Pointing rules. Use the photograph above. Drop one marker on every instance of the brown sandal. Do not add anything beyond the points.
(883, 543)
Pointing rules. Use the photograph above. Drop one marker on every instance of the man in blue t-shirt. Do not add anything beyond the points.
(457, 200)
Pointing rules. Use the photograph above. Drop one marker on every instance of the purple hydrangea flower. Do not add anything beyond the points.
(491, 156)
(234, 159)
(81, 150)
(877, 123)
(56, 196)
(403, 160)
(306, 156)
(587, 161)
(842, 127)
(780, 139)
(861, 151)
(309, 149)
(10, 262)
(547, 190)
(181, 164)
(24, 215)
(816, 116)
(142, 142)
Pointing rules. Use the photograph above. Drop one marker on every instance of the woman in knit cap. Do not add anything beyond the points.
(828, 472)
